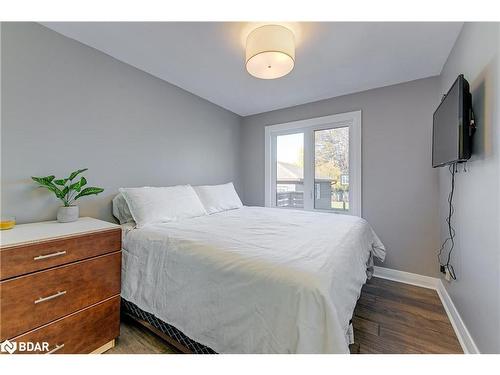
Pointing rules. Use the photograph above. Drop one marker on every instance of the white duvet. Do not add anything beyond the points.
(253, 280)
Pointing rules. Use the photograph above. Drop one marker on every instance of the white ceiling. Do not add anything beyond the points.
(332, 59)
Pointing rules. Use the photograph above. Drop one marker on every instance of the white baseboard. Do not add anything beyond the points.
(463, 335)
(407, 277)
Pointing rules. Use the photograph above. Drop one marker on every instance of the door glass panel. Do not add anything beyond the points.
(331, 169)
(290, 170)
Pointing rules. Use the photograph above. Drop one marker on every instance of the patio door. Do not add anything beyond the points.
(315, 164)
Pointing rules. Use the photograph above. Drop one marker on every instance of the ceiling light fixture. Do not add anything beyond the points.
(270, 52)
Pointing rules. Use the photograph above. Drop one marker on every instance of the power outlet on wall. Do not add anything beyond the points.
(447, 275)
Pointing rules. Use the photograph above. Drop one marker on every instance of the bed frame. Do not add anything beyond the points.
(172, 336)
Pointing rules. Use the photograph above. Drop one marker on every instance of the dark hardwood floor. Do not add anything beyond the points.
(390, 317)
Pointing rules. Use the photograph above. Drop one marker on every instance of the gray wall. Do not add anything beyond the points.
(400, 189)
(476, 257)
(67, 106)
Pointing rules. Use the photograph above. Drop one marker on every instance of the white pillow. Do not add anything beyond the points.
(121, 210)
(149, 205)
(217, 198)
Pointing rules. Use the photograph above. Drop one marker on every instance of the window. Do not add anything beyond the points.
(290, 170)
(315, 164)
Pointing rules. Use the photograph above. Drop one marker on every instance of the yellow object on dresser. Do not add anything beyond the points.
(7, 223)
(60, 286)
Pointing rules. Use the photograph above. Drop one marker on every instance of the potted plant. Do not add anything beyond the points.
(68, 192)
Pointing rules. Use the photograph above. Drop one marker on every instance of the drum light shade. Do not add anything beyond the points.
(270, 52)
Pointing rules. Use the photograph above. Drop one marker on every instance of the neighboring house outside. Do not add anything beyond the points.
(289, 185)
(290, 188)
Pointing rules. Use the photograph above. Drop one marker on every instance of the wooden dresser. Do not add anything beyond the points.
(60, 286)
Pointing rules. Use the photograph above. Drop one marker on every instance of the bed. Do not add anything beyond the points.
(250, 280)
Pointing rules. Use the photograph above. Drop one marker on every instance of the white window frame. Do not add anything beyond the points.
(350, 119)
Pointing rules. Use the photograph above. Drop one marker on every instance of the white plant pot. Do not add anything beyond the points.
(67, 214)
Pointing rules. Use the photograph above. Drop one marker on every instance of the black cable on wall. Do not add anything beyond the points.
(451, 230)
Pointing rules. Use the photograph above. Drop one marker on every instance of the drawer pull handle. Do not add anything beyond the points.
(56, 348)
(43, 299)
(56, 254)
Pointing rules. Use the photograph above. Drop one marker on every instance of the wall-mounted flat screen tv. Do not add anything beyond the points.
(452, 131)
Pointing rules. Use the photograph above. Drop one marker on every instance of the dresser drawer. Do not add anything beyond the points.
(30, 301)
(22, 259)
(81, 332)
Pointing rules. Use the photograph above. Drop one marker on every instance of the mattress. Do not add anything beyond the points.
(253, 280)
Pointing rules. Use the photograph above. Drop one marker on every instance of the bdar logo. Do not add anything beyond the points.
(8, 346)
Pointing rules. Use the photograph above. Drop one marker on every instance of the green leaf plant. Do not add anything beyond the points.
(65, 189)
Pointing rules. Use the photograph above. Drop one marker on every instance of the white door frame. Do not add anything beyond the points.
(351, 119)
